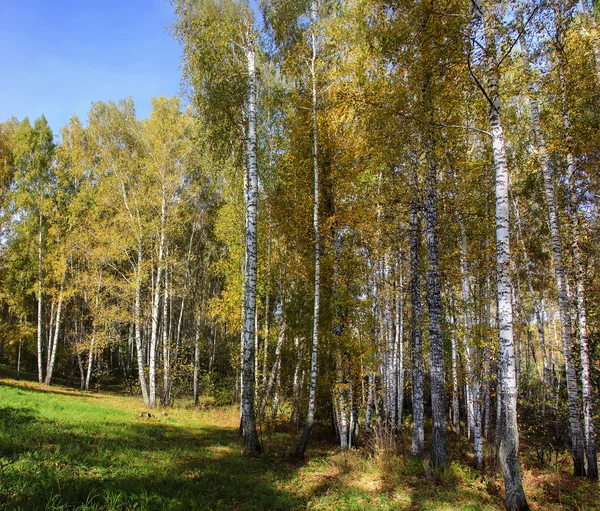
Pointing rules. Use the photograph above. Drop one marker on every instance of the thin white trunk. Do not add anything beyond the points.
(138, 327)
(509, 443)
(165, 346)
(50, 368)
(40, 300)
(275, 370)
(455, 388)
(156, 305)
(579, 267)
(534, 300)
(50, 334)
(266, 339)
(248, 422)
(19, 360)
(418, 436)
(399, 325)
(198, 326)
(312, 392)
(434, 302)
(297, 386)
(88, 375)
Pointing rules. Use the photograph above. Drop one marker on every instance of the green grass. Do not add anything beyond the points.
(62, 449)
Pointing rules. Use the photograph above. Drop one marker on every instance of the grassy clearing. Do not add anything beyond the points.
(62, 449)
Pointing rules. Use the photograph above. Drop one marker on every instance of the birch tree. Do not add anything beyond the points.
(509, 443)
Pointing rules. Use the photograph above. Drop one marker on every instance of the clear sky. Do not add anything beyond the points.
(57, 56)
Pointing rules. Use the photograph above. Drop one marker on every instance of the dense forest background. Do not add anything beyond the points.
(375, 214)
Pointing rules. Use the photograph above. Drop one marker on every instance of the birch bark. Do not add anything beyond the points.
(312, 393)
(579, 268)
(250, 436)
(434, 301)
(509, 442)
(40, 307)
(50, 368)
(418, 436)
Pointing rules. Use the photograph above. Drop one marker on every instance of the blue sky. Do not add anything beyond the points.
(57, 56)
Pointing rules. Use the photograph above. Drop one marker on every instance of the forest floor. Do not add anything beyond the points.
(65, 449)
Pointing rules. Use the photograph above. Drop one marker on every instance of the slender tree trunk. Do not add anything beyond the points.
(275, 370)
(275, 404)
(487, 399)
(138, 327)
(434, 301)
(256, 343)
(88, 375)
(297, 386)
(81, 372)
(49, 333)
(266, 339)
(399, 326)
(391, 356)
(455, 389)
(418, 436)
(178, 334)
(579, 267)
(50, 368)
(250, 436)
(473, 405)
(165, 345)
(340, 386)
(312, 392)
(198, 326)
(534, 300)
(40, 308)
(156, 306)
(371, 399)
(342, 415)
(19, 360)
(509, 443)
(577, 437)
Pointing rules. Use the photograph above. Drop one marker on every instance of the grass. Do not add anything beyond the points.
(63, 449)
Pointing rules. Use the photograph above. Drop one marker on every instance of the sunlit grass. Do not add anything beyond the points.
(64, 449)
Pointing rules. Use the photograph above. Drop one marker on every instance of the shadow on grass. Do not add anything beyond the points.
(157, 464)
(144, 465)
(119, 462)
(47, 389)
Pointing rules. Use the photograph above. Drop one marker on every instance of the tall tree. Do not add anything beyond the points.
(34, 153)
(509, 443)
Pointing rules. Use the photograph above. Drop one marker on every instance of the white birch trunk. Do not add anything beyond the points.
(275, 370)
(455, 389)
(579, 268)
(312, 392)
(418, 436)
(434, 302)
(165, 345)
(40, 301)
(50, 368)
(296, 386)
(88, 375)
(156, 306)
(138, 327)
(250, 437)
(198, 325)
(399, 325)
(509, 443)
